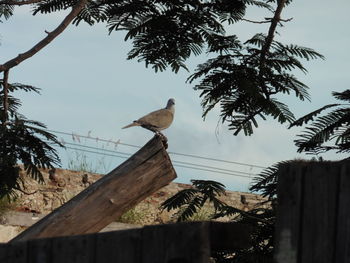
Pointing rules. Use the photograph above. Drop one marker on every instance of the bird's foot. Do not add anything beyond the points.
(163, 138)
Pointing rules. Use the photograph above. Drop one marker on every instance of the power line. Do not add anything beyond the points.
(217, 170)
(95, 138)
(96, 148)
(214, 171)
(174, 161)
(173, 153)
(217, 160)
(105, 154)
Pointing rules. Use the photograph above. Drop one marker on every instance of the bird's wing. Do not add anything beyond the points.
(160, 119)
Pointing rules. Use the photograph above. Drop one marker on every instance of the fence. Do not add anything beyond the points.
(172, 243)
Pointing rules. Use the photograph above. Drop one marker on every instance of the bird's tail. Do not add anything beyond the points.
(131, 125)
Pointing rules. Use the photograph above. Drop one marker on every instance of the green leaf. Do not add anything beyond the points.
(310, 116)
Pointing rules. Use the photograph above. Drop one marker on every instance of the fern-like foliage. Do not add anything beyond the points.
(274, 1)
(261, 219)
(23, 142)
(332, 127)
(262, 224)
(14, 103)
(164, 33)
(245, 88)
(167, 33)
(50, 6)
(265, 183)
(92, 13)
(6, 11)
(190, 201)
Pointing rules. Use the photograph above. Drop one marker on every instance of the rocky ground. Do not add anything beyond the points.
(61, 185)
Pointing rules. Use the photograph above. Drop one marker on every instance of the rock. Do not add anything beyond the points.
(8, 232)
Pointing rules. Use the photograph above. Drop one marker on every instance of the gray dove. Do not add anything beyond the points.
(157, 120)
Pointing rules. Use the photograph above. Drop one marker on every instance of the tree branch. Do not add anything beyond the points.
(286, 20)
(268, 41)
(6, 103)
(276, 18)
(50, 36)
(256, 22)
(267, 20)
(24, 2)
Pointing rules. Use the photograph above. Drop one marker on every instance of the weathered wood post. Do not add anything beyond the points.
(101, 203)
(313, 218)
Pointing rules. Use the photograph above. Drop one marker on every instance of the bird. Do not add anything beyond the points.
(157, 120)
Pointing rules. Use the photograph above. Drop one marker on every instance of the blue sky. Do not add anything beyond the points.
(88, 85)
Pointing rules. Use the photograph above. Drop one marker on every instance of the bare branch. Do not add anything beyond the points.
(267, 20)
(286, 20)
(50, 36)
(275, 20)
(24, 2)
(257, 22)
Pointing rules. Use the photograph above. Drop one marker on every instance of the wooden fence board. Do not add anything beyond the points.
(74, 249)
(313, 219)
(342, 253)
(176, 243)
(39, 251)
(101, 203)
(121, 246)
(319, 212)
(288, 214)
(13, 253)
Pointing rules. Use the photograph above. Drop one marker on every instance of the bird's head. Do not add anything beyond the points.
(171, 103)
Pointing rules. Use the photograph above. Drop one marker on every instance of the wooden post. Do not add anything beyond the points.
(101, 203)
(313, 219)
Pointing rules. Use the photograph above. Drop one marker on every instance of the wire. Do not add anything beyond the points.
(96, 148)
(105, 154)
(217, 170)
(208, 170)
(174, 161)
(95, 138)
(217, 160)
(212, 167)
(173, 153)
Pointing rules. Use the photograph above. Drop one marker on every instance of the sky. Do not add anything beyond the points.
(89, 88)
